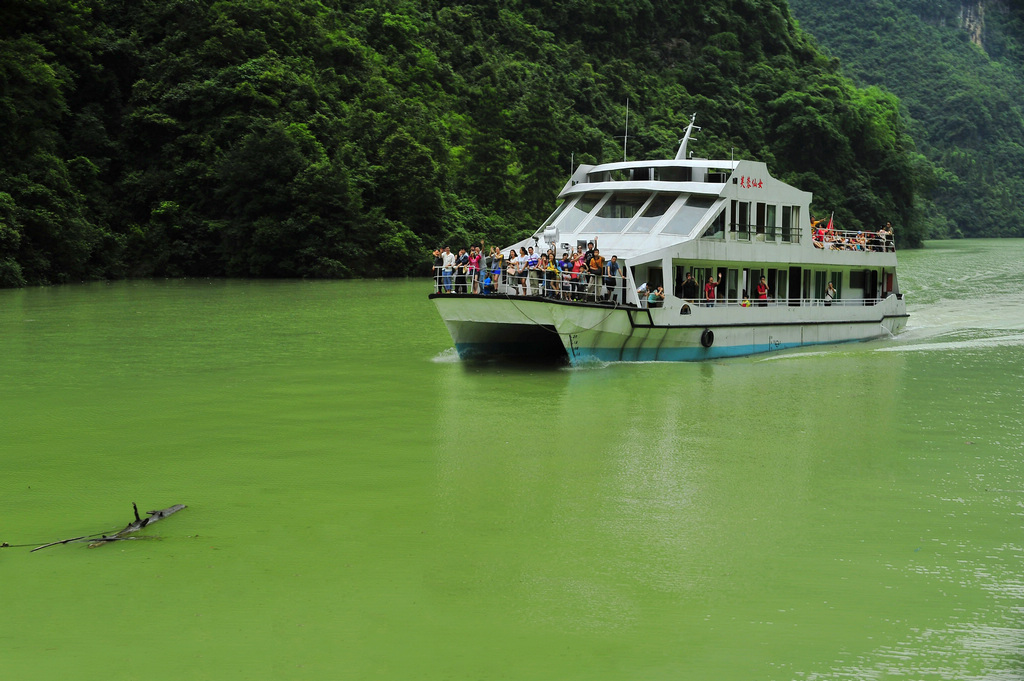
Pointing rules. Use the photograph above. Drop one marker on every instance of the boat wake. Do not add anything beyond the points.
(965, 344)
(449, 356)
(958, 324)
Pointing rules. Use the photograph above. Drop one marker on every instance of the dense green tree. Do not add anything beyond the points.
(963, 94)
(295, 138)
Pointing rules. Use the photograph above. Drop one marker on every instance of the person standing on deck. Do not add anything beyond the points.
(461, 269)
(690, 288)
(512, 268)
(533, 283)
(497, 265)
(565, 277)
(762, 293)
(521, 267)
(474, 270)
(438, 266)
(486, 261)
(447, 268)
(612, 280)
(588, 255)
(887, 237)
(710, 290)
(596, 275)
(576, 278)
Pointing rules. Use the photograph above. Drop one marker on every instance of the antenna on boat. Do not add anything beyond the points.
(681, 154)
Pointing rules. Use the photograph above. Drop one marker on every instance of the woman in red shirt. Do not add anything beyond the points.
(762, 294)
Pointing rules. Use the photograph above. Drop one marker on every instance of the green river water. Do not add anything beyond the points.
(362, 505)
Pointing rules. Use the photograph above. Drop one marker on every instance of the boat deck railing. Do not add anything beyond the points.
(786, 302)
(846, 240)
(567, 286)
(585, 288)
(833, 239)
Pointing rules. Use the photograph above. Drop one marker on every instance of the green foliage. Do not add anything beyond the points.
(963, 101)
(295, 138)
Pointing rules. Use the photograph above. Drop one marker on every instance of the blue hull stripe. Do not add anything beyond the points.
(688, 354)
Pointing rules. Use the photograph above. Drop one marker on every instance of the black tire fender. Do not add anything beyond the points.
(707, 338)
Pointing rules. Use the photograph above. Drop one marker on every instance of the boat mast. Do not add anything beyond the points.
(681, 154)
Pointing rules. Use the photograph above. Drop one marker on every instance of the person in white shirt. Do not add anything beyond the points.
(447, 267)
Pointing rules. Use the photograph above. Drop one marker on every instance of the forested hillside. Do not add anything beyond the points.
(347, 138)
(958, 67)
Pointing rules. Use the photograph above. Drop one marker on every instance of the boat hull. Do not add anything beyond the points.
(500, 326)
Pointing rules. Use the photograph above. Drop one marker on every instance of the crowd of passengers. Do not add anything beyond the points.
(575, 276)
(829, 238)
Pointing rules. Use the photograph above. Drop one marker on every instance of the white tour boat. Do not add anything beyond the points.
(726, 220)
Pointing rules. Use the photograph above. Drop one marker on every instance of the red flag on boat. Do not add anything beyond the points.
(829, 228)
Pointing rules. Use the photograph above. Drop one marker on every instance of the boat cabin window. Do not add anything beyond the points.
(716, 230)
(820, 278)
(731, 281)
(741, 220)
(654, 211)
(579, 212)
(671, 174)
(687, 217)
(791, 224)
(620, 175)
(554, 215)
(617, 212)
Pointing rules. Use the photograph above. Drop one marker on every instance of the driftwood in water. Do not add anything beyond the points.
(134, 526)
(138, 523)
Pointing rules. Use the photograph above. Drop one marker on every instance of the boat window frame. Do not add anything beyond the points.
(716, 226)
(562, 229)
(610, 199)
(714, 199)
(559, 209)
(632, 227)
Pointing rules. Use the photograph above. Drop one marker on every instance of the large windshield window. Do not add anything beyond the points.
(716, 230)
(689, 215)
(554, 215)
(654, 212)
(616, 213)
(578, 213)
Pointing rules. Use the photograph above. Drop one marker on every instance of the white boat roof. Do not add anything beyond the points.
(636, 208)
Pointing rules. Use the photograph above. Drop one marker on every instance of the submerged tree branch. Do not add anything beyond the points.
(134, 526)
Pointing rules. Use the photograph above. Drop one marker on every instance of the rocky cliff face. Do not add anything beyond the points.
(972, 19)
